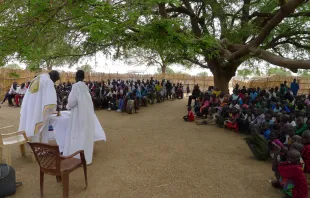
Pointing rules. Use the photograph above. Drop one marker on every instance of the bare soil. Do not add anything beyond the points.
(155, 154)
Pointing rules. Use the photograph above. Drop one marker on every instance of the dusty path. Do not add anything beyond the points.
(155, 154)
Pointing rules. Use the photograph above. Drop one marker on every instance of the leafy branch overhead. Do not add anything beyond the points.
(219, 35)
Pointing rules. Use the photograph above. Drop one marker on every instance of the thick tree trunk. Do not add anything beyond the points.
(163, 69)
(222, 76)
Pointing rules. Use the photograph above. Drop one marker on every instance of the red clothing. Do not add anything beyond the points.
(305, 154)
(294, 173)
(191, 116)
(241, 95)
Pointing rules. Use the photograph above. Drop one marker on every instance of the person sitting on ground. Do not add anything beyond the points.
(21, 91)
(212, 116)
(306, 150)
(144, 95)
(258, 146)
(289, 174)
(195, 94)
(300, 126)
(12, 93)
(190, 116)
(223, 116)
(232, 122)
(295, 138)
(265, 130)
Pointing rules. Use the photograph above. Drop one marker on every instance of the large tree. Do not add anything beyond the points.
(216, 34)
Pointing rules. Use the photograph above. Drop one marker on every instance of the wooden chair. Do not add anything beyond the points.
(52, 163)
(9, 139)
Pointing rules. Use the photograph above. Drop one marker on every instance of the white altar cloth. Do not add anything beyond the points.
(60, 127)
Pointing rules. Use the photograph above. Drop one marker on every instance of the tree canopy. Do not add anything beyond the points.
(218, 35)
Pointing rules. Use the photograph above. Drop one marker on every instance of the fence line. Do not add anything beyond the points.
(8, 76)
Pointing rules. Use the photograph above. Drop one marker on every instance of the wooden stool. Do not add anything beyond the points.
(7, 140)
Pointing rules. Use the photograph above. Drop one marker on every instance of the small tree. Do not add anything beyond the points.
(279, 71)
(244, 73)
(86, 68)
(202, 74)
(304, 73)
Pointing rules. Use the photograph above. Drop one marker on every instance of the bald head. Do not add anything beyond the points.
(293, 156)
(296, 138)
(296, 146)
(54, 75)
(306, 137)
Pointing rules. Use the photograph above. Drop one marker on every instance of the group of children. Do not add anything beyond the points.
(125, 96)
(277, 123)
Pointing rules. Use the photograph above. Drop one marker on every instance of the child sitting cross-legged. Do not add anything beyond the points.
(232, 122)
(190, 116)
(290, 176)
(212, 116)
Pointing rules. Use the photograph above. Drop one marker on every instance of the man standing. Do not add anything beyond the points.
(294, 87)
(38, 104)
(83, 122)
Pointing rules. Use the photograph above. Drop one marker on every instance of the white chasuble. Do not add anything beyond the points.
(81, 131)
(38, 104)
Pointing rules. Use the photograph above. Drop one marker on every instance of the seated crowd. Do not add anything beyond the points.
(277, 122)
(125, 96)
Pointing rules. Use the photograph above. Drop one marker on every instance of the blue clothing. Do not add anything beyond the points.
(294, 88)
(253, 96)
(287, 109)
(267, 134)
(138, 94)
(144, 92)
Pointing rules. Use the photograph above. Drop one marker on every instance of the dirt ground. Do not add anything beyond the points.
(156, 154)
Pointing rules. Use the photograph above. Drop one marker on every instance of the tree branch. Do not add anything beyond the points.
(280, 61)
(195, 61)
(270, 15)
(286, 10)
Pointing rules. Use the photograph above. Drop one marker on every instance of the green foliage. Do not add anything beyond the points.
(303, 73)
(245, 73)
(44, 34)
(279, 71)
(14, 75)
(202, 74)
(85, 68)
(13, 66)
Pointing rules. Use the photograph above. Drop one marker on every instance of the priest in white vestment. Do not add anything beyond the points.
(39, 103)
(81, 133)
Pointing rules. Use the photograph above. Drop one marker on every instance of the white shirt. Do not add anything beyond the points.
(12, 91)
(21, 91)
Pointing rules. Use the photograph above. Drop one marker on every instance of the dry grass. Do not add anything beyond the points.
(155, 154)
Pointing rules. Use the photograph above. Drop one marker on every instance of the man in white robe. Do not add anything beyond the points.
(81, 133)
(39, 103)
